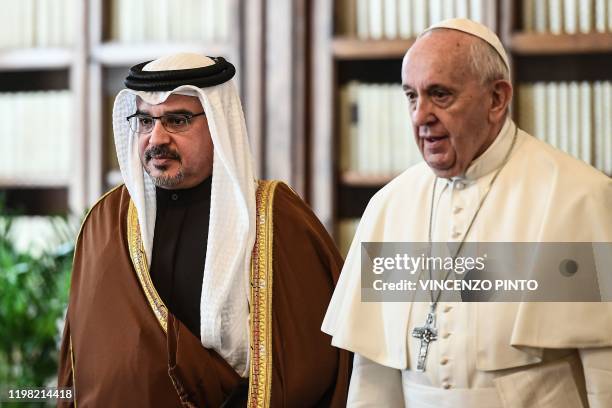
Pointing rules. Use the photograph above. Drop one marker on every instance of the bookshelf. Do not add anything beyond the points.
(41, 55)
(342, 52)
(565, 107)
(90, 60)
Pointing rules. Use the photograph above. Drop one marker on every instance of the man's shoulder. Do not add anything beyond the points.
(287, 205)
(112, 198)
(552, 165)
(413, 181)
(111, 203)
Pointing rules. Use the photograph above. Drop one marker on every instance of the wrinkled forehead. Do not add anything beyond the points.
(438, 55)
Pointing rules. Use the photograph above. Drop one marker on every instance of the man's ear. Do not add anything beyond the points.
(501, 96)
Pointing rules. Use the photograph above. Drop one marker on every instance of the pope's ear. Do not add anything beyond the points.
(501, 96)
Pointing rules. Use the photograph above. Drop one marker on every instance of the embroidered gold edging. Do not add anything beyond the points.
(260, 377)
(139, 260)
(73, 374)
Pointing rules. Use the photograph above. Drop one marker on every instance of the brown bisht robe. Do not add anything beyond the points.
(121, 347)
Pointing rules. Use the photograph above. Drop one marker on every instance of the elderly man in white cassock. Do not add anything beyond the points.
(482, 180)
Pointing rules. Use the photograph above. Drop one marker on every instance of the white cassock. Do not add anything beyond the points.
(487, 354)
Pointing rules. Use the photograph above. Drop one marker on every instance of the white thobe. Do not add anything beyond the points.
(486, 355)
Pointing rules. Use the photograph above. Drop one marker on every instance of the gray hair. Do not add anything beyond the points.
(485, 62)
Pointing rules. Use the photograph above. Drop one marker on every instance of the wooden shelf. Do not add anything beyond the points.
(26, 200)
(555, 44)
(35, 58)
(121, 55)
(354, 179)
(354, 48)
(34, 182)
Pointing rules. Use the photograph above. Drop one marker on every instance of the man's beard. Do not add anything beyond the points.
(164, 180)
(167, 181)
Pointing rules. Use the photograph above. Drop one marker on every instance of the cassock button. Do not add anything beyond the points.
(459, 185)
(444, 361)
(447, 308)
(456, 234)
(446, 335)
(446, 385)
(457, 209)
(174, 197)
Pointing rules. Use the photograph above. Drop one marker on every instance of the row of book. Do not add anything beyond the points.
(567, 16)
(136, 21)
(35, 136)
(575, 117)
(376, 136)
(37, 23)
(377, 19)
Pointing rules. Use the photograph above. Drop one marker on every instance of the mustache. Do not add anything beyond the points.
(161, 151)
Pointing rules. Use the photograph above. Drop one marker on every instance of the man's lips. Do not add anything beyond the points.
(432, 139)
(434, 143)
(162, 159)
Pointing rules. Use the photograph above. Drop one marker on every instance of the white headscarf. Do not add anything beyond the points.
(231, 232)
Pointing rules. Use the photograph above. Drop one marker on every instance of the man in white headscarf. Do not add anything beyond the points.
(482, 180)
(193, 283)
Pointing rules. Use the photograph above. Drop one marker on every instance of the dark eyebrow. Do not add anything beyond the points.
(406, 87)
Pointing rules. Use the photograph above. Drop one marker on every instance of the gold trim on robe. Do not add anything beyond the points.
(73, 376)
(139, 260)
(260, 376)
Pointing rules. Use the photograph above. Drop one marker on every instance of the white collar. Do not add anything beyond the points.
(495, 154)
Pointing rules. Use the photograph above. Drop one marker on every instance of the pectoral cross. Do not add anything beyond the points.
(426, 334)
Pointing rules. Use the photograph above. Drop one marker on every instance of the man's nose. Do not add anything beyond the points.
(422, 114)
(159, 135)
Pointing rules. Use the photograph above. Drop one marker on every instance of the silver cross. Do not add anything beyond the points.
(426, 334)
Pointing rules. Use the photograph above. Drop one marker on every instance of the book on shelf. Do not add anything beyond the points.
(586, 121)
(585, 16)
(600, 15)
(376, 136)
(137, 21)
(37, 23)
(563, 118)
(566, 16)
(540, 16)
(552, 120)
(375, 19)
(570, 14)
(555, 12)
(35, 138)
(448, 9)
(392, 19)
(405, 13)
(363, 30)
(477, 10)
(435, 11)
(575, 117)
(607, 126)
(421, 16)
(462, 8)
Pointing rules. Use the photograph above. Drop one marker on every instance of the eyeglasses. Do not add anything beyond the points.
(173, 122)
